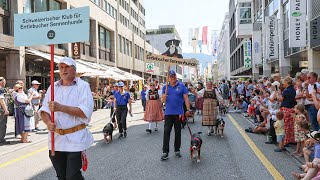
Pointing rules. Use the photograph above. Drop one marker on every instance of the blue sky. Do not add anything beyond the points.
(186, 14)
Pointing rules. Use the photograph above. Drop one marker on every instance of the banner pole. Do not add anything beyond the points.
(167, 84)
(52, 94)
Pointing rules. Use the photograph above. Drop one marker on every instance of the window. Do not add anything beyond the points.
(6, 25)
(102, 41)
(120, 43)
(130, 52)
(107, 39)
(41, 5)
(124, 45)
(4, 4)
(245, 16)
(127, 47)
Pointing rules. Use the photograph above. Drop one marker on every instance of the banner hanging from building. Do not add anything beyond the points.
(315, 32)
(205, 35)
(256, 48)
(298, 23)
(247, 53)
(172, 60)
(51, 27)
(272, 51)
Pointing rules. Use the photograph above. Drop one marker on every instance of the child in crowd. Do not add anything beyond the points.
(299, 135)
(279, 128)
(252, 108)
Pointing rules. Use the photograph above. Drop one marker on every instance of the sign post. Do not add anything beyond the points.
(49, 28)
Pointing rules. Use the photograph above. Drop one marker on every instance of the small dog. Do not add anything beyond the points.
(107, 132)
(195, 146)
(219, 127)
(223, 109)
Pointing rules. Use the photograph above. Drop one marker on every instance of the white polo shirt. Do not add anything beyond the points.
(310, 89)
(77, 95)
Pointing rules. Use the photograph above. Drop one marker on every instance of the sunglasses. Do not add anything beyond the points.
(309, 77)
(151, 85)
(20, 88)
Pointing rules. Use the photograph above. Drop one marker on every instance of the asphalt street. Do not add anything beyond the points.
(236, 156)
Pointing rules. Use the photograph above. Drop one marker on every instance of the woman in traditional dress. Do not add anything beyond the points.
(210, 109)
(153, 113)
(199, 100)
(24, 124)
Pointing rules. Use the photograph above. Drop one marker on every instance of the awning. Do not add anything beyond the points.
(44, 55)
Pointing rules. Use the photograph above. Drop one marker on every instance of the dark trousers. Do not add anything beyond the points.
(169, 121)
(144, 101)
(112, 110)
(3, 126)
(67, 165)
(312, 113)
(121, 114)
(272, 131)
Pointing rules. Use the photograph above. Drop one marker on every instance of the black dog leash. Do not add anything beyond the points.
(186, 119)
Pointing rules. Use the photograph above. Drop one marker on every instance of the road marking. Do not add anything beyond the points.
(272, 170)
(22, 157)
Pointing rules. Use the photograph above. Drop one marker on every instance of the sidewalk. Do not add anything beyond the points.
(290, 149)
(101, 116)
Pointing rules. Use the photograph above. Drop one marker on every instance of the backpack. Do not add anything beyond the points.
(225, 89)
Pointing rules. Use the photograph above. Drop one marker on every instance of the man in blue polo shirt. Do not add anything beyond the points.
(177, 94)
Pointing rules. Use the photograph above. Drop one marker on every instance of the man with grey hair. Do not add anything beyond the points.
(304, 74)
(3, 112)
(35, 102)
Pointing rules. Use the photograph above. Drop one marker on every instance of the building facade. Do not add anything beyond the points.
(117, 38)
(240, 34)
(275, 30)
(223, 59)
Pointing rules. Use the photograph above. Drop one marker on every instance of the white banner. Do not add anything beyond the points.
(172, 60)
(256, 48)
(247, 53)
(272, 51)
(298, 23)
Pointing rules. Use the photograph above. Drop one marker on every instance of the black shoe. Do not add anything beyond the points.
(155, 129)
(121, 135)
(149, 131)
(34, 130)
(37, 129)
(269, 142)
(178, 154)
(125, 133)
(5, 142)
(164, 156)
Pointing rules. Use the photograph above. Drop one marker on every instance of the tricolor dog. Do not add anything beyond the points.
(195, 146)
(219, 127)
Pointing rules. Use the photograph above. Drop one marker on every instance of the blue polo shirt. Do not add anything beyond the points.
(122, 99)
(174, 104)
(143, 94)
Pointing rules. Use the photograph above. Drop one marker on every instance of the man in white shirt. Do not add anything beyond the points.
(312, 83)
(35, 102)
(73, 107)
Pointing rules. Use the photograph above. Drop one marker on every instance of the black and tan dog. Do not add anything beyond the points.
(107, 132)
(219, 128)
(195, 146)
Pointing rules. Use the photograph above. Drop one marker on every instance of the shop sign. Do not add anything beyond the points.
(51, 27)
(315, 32)
(271, 37)
(247, 53)
(298, 23)
(76, 50)
(303, 64)
(256, 43)
(150, 67)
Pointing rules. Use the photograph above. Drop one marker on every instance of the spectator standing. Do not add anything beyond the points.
(3, 112)
(288, 102)
(35, 102)
(199, 100)
(176, 95)
(143, 97)
(249, 89)
(24, 124)
(73, 107)
(14, 93)
(225, 92)
(279, 128)
(309, 103)
(240, 88)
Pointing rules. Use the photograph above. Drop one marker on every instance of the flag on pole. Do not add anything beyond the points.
(205, 35)
(200, 45)
(190, 37)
